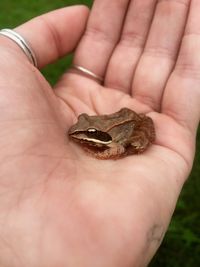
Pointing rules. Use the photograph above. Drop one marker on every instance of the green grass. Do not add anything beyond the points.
(181, 246)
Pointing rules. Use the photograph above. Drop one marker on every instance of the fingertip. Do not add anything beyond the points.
(55, 34)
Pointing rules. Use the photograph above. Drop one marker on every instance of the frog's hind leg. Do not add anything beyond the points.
(139, 144)
(144, 135)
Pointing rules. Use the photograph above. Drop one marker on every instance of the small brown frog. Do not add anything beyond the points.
(113, 136)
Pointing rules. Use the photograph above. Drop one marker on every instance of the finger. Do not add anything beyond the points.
(125, 57)
(182, 95)
(101, 36)
(160, 52)
(54, 34)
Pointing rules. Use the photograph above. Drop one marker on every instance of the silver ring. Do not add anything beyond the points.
(88, 73)
(20, 41)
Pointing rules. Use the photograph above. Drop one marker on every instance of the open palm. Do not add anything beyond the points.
(68, 208)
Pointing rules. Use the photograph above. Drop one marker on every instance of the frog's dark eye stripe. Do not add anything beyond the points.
(98, 135)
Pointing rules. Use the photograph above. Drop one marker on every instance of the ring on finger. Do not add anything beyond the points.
(22, 43)
(87, 73)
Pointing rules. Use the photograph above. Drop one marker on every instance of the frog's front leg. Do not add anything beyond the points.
(113, 152)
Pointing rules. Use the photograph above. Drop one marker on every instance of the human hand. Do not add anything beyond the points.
(59, 206)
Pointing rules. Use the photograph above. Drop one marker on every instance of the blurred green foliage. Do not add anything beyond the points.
(181, 246)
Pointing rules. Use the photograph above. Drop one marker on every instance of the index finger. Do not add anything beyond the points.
(101, 35)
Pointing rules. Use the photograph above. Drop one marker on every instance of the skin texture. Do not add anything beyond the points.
(60, 207)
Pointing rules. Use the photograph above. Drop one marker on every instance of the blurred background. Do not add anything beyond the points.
(181, 245)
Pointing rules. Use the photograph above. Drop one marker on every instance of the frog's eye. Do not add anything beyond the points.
(91, 130)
